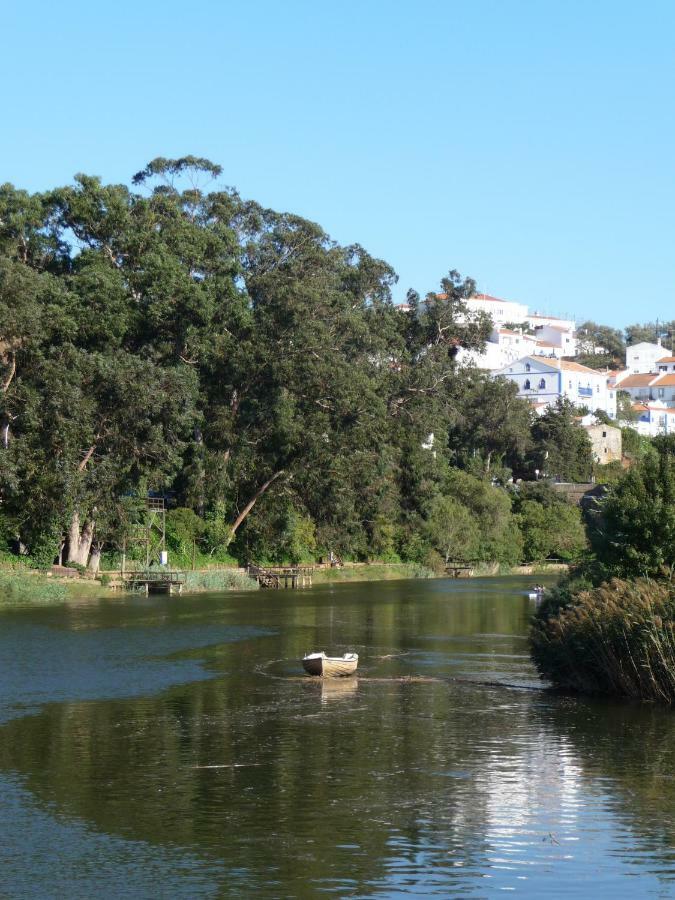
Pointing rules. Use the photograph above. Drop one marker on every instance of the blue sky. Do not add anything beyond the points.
(528, 144)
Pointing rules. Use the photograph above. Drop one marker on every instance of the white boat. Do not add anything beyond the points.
(535, 593)
(330, 666)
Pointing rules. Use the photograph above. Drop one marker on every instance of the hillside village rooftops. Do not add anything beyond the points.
(665, 380)
(643, 379)
(567, 366)
(564, 365)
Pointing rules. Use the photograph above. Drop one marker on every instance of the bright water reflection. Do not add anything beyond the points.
(173, 747)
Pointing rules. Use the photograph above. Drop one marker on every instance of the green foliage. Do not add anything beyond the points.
(649, 332)
(452, 531)
(635, 534)
(624, 408)
(591, 337)
(179, 340)
(29, 588)
(562, 449)
(554, 531)
(615, 639)
(44, 547)
(633, 445)
(183, 529)
(499, 539)
(219, 580)
(299, 538)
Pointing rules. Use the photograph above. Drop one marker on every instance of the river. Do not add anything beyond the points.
(172, 747)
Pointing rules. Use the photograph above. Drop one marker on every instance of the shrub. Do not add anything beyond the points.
(614, 639)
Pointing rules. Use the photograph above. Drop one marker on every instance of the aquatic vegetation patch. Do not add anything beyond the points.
(27, 587)
(219, 580)
(615, 639)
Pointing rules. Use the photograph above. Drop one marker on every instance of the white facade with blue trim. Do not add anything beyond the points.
(543, 381)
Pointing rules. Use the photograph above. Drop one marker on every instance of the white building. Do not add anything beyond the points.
(654, 418)
(643, 357)
(652, 392)
(504, 346)
(560, 338)
(501, 311)
(538, 320)
(543, 380)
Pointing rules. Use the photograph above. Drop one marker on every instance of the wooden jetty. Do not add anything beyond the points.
(292, 576)
(460, 570)
(159, 581)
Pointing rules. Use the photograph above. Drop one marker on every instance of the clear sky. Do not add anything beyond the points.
(527, 143)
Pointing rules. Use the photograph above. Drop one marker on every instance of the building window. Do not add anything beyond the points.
(604, 434)
(527, 367)
(661, 392)
(542, 384)
(526, 386)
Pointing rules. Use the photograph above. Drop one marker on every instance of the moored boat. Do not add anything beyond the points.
(330, 666)
(536, 592)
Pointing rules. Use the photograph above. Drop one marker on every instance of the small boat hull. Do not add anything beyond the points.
(330, 666)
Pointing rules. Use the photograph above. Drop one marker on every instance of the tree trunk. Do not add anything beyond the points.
(79, 541)
(95, 558)
(252, 502)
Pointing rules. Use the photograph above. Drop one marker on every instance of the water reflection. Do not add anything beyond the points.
(383, 783)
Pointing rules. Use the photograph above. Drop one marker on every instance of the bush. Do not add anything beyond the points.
(614, 639)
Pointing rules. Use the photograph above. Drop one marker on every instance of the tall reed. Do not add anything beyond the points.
(615, 639)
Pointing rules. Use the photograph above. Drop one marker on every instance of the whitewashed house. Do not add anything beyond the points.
(654, 417)
(561, 339)
(643, 357)
(501, 311)
(543, 380)
(652, 392)
(504, 346)
(539, 320)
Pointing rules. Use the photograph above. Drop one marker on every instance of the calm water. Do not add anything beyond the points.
(170, 747)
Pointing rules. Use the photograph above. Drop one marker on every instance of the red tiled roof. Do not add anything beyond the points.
(643, 379)
(665, 380)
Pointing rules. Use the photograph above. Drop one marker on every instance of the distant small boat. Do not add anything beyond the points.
(330, 666)
(535, 593)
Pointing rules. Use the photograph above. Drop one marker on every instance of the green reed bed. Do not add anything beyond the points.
(219, 580)
(615, 639)
(29, 587)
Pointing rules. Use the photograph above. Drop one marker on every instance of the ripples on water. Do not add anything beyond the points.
(171, 747)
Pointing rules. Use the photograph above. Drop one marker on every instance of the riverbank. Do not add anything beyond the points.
(370, 572)
(20, 586)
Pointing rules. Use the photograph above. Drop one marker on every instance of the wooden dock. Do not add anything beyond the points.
(292, 576)
(157, 581)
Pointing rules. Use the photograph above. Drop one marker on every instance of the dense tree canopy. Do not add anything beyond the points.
(176, 339)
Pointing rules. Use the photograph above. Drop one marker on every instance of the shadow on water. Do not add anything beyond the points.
(201, 735)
